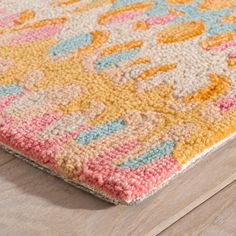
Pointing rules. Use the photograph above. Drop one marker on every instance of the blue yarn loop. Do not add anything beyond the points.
(100, 131)
(122, 3)
(156, 153)
(115, 58)
(9, 89)
(71, 44)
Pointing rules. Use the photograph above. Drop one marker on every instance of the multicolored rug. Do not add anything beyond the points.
(117, 96)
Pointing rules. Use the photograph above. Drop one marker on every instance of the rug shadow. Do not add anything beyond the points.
(35, 182)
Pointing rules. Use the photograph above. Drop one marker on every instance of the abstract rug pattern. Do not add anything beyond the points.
(117, 96)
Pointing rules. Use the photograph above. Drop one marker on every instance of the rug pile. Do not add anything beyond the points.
(117, 96)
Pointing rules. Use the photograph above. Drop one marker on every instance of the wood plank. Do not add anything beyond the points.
(216, 216)
(34, 203)
(5, 157)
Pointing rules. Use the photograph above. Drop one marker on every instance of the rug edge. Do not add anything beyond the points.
(103, 196)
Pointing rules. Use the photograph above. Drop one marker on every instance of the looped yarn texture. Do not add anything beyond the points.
(117, 96)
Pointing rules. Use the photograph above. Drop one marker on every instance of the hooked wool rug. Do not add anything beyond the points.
(117, 97)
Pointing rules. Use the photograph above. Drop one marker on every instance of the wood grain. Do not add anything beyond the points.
(216, 216)
(35, 203)
(5, 157)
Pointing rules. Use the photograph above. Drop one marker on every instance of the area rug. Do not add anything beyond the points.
(117, 97)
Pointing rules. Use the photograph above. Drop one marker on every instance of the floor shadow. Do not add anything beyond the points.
(35, 182)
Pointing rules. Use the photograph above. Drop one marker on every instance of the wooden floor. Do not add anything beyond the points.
(216, 216)
(199, 202)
